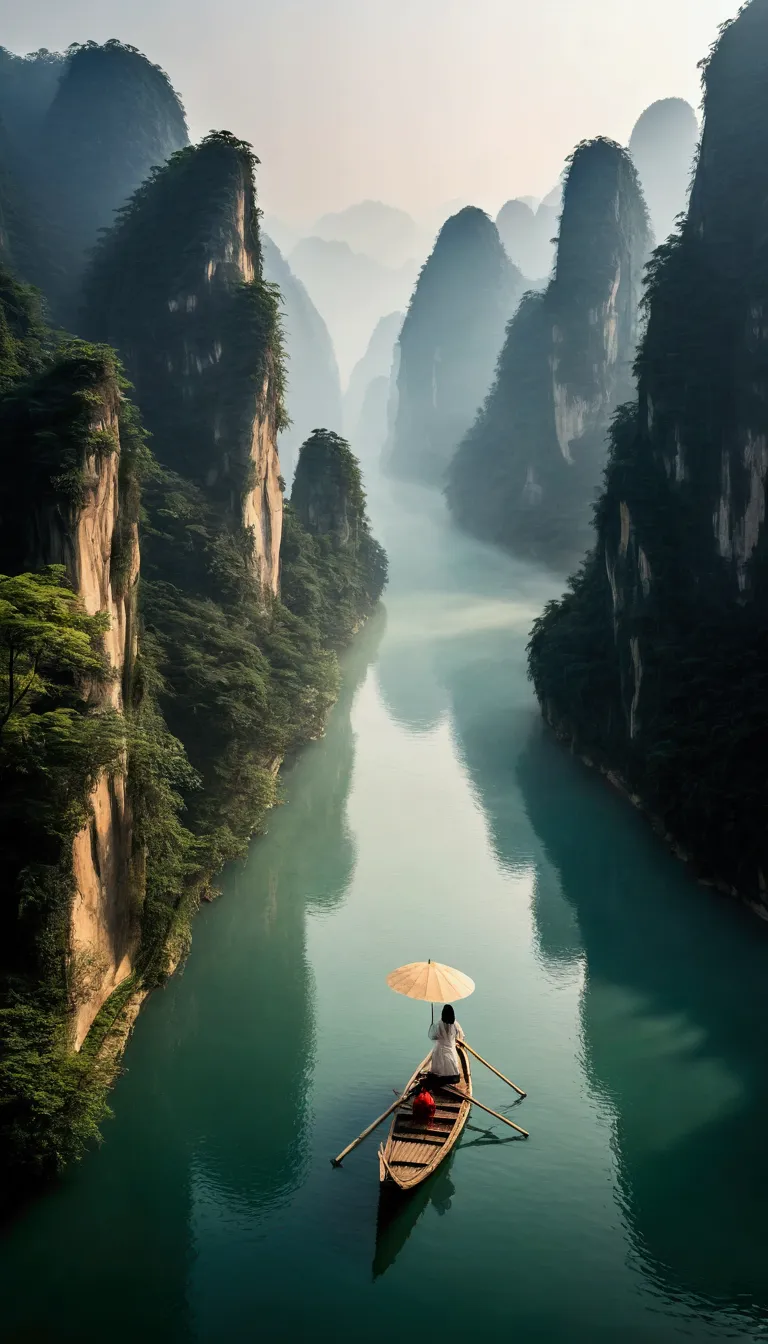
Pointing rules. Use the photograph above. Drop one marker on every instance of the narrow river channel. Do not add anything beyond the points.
(434, 819)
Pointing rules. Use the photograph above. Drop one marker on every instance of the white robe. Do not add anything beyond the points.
(445, 1059)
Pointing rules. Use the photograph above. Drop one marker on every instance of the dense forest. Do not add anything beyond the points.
(653, 664)
(169, 627)
(449, 344)
(526, 473)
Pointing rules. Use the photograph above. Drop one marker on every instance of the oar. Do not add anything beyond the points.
(337, 1161)
(514, 1086)
(462, 1096)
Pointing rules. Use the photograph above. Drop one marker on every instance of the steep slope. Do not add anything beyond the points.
(375, 364)
(178, 288)
(313, 391)
(654, 663)
(113, 118)
(527, 472)
(334, 537)
(449, 343)
(663, 147)
(352, 291)
(27, 89)
(89, 837)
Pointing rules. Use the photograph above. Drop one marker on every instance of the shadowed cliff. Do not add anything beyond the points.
(84, 147)
(526, 474)
(449, 344)
(654, 662)
(313, 392)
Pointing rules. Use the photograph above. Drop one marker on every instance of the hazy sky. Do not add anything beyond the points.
(415, 102)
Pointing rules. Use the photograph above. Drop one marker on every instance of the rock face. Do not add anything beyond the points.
(526, 474)
(653, 663)
(663, 145)
(91, 528)
(313, 394)
(178, 288)
(449, 344)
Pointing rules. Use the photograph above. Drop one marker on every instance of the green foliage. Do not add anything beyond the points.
(655, 663)
(45, 636)
(566, 363)
(24, 339)
(168, 277)
(52, 1100)
(334, 571)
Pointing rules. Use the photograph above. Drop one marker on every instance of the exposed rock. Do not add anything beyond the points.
(178, 288)
(653, 664)
(91, 529)
(527, 472)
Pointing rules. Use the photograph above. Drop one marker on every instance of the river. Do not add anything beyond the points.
(437, 819)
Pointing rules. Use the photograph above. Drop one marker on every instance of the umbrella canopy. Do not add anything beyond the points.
(431, 982)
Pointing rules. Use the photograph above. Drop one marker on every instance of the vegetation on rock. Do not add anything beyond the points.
(526, 474)
(654, 662)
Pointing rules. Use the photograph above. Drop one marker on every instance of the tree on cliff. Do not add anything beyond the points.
(45, 637)
(655, 662)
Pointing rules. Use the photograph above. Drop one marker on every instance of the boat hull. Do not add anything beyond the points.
(414, 1149)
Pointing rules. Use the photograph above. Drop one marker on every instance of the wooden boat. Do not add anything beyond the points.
(415, 1148)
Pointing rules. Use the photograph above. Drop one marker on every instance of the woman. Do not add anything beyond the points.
(445, 1068)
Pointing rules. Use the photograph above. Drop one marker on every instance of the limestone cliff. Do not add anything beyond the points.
(526, 474)
(177, 286)
(654, 662)
(72, 508)
(449, 344)
(313, 390)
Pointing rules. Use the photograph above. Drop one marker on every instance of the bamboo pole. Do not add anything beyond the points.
(337, 1161)
(514, 1086)
(462, 1096)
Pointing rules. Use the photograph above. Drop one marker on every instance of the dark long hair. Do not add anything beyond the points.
(448, 1015)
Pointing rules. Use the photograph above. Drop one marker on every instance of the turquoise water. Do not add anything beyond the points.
(434, 819)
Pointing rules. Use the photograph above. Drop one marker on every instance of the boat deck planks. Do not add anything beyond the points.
(414, 1147)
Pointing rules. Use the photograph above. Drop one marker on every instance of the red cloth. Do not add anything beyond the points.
(424, 1105)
